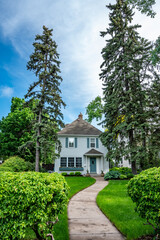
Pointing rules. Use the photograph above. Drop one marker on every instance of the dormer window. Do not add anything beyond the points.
(71, 142)
(92, 142)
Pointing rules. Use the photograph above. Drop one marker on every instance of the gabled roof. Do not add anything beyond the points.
(93, 152)
(80, 127)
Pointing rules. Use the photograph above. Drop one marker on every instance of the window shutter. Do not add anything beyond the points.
(66, 142)
(87, 142)
(97, 143)
(75, 142)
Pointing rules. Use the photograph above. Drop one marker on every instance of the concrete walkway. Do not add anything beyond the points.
(86, 221)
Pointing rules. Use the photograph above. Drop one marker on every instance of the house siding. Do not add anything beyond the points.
(79, 151)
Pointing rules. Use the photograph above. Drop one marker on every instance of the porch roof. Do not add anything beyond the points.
(93, 152)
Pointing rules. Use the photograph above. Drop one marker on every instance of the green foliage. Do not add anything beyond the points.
(119, 173)
(122, 176)
(16, 129)
(64, 174)
(71, 174)
(145, 6)
(17, 164)
(124, 72)
(122, 170)
(112, 175)
(6, 169)
(78, 174)
(95, 109)
(30, 200)
(44, 63)
(144, 189)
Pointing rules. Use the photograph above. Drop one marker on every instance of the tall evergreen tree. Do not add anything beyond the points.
(123, 72)
(44, 62)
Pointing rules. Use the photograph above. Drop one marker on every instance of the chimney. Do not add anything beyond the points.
(80, 116)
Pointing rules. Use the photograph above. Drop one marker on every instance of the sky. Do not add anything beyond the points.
(76, 29)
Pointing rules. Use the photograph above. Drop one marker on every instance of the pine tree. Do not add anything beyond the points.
(123, 73)
(44, 62)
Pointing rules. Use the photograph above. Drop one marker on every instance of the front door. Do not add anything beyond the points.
(92, 165)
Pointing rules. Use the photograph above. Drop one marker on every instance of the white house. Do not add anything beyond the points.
(82, 149)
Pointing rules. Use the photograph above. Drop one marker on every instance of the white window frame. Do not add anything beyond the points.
(63, 159)
(78, 158)
(92, 141)
(71, 142)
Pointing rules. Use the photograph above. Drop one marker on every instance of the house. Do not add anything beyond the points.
(82, 149)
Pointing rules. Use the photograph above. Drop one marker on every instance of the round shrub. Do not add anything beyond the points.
(6, 169)
(30, 199)
(16, 163)
(71, 174)
(64, 174)
(112, 175)
(78, 174)
(144, 189)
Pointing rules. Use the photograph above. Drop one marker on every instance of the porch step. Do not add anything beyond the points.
(95, 175)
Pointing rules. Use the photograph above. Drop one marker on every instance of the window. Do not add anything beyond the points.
(92, 143)
(63, 162)
(78, 162)
(70, 162)
(71, 142)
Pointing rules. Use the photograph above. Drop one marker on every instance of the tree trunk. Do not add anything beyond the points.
(37, 142)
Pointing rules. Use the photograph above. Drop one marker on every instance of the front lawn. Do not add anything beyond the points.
(61, 228)
(119, 208)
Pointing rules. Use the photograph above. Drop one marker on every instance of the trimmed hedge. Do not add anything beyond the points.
(30, 199)
(144, 190)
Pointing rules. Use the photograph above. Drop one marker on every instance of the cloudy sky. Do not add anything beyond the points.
(77, 25)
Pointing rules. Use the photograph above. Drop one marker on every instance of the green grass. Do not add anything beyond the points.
(61, 228)
(119, 208)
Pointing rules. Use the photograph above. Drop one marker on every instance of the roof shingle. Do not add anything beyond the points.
(80, 127)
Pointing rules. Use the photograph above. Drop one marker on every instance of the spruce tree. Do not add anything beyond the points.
(45, 64)
(123, 72)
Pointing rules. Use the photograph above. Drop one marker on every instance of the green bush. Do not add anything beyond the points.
(78, 174)
(17, 164)
(64, 174)
(130, 175)
(112, 175)
(122, 170)
(71, 174)
(123, 176)
(30, 199)
(144, 189)
(6, 169)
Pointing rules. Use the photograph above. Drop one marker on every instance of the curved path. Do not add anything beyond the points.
(86, 221)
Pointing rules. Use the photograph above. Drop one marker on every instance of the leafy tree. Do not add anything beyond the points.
(45, 64)
(123, 72)
(16, 129)
(95, 109)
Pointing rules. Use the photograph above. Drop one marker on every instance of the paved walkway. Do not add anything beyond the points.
(86, 221)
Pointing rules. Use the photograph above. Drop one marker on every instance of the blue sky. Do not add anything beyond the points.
(77, 25)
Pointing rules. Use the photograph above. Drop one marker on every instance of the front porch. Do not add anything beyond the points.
(94, 162)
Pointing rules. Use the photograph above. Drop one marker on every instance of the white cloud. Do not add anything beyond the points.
(77, 25)
(6, 91)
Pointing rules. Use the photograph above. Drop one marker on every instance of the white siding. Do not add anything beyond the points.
(101, 163)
